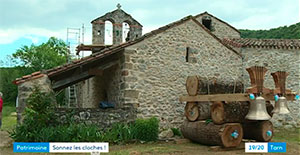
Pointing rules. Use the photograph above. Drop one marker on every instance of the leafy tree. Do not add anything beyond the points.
(9, 90)
(45, 56)
(30, 59)
(283, 32)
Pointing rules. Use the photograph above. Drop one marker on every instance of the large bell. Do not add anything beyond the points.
(258, 110)
(281, 106)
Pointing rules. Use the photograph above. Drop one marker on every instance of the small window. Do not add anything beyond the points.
(187, 54)
(108, 33)
(125, 32)
(206, 21)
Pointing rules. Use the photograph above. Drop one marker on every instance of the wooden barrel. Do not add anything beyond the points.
(226, 135)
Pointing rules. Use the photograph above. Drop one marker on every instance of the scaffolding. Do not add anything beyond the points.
(73, 40)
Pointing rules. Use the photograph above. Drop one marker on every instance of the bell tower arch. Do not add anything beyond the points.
(122, 24)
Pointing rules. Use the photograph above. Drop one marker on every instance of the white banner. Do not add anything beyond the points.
(78, 147)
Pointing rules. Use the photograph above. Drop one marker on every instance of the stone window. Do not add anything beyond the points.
(187, 55)
(108, 31)
(190, 55)
(206, 21)
(125, 30)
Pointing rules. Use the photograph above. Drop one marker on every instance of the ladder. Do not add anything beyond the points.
(73, 40)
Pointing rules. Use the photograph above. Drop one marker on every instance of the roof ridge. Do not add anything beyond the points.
(214, 36)
(196, 16)
(263, 43)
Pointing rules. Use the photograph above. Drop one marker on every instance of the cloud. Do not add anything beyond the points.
(10, 35)
(29, 18)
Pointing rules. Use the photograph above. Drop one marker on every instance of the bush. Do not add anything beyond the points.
(146, 129)
(40, 125)
(176, 131)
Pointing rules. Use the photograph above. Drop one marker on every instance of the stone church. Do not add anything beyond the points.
(144, 75)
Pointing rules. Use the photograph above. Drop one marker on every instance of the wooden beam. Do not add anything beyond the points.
(70, 80)
(229, 97)
(95, 71)
(215, 97)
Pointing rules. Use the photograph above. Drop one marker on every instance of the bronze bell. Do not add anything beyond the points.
(281, 106)
(258, 110)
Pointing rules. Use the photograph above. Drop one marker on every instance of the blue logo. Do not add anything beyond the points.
(31, 147)
(276, 147)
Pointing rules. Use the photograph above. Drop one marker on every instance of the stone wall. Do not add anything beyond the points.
(105, 87)
(102, 117)
(25, 90)
(157, 70)
(277, 60)
(219, 28)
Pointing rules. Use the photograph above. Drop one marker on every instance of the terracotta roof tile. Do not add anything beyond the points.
(32, 76)
(263, 43)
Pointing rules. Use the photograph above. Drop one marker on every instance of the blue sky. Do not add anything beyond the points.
(23, 22)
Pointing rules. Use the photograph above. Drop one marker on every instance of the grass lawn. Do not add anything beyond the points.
(291, 135)
(8, 120)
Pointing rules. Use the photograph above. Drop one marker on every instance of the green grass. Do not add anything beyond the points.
(283, 135)
(8, 120)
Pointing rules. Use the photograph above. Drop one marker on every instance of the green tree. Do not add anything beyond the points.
(283, 32)
(29, 59)
(45, 56)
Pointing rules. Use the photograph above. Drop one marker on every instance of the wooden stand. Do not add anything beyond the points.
(227, 135)
(261, 131)
(222, 112)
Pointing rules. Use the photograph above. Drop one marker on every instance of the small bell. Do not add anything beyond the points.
(281, 106)
(258, 110)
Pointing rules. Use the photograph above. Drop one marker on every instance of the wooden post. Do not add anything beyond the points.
(226, 135)
(261, 131)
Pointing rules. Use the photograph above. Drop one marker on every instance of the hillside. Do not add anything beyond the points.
(283, 32)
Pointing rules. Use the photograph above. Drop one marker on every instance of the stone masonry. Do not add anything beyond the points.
(219, 28)
(150, 74)
(116, 17)
(25, 90)
(158, 69)
(277, 60)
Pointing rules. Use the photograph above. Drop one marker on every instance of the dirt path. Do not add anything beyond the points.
(5, 140)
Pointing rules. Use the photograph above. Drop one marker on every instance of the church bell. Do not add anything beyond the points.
(258, 110)
(281, 106)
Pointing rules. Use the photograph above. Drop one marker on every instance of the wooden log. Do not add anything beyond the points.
(192, 85)
(226, 135)
(191, 111)
(197, 111)
(261, 131)
(222, 112)
(196, 85)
